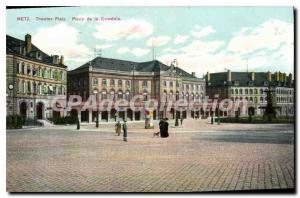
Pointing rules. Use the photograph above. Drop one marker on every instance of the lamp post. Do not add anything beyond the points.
(10, 88)
(97, 116)
(177, 85)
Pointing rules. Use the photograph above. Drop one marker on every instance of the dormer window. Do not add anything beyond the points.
(225, 82)
(236, 83)
(250, 83)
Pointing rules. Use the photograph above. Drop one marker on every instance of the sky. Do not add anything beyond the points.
(201, 39)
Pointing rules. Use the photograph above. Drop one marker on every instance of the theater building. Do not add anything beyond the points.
(251, 86)
(118, 79)
(33, 79)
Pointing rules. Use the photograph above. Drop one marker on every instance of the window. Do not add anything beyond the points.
(171, 84)
(250, 83)
(231, 91)
(28, 87)
(127, 95)
(145, 95)
(104, 82)
(23, 87)
(246, 91)
(145, 83)
(95, 81)
(255, 91)
(112, 94)
(165, 83)
(119, 83)
(127, 83)
(104, 94)
(177, 84)
(266, 83)
(120, 94)
(255, 100)
(236, 91)
(112, 82)
(251, 91)
(261, 91)
(241, 91)
(236, 83)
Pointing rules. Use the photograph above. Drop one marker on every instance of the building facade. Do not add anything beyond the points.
(33, 79)
(118, 79)
(252, 87)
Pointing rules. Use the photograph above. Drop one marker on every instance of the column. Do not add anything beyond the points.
(100, 115)
(125, 114)
(90, 116)
(108, 116)
(133, 115)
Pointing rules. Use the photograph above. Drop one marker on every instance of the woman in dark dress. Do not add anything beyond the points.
(161, 127)
(165, 128)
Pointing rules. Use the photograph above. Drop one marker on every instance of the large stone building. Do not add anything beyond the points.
(251, 87)
(33, 79)
(119, 79)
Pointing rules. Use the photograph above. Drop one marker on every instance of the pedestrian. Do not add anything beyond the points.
(118, 128)
(165, 133)
(181, 120)
(125, 130)
(161, 127)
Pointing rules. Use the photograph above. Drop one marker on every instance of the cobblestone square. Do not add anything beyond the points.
(196, 157)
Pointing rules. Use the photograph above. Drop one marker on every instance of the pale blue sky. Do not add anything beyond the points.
(210, 38)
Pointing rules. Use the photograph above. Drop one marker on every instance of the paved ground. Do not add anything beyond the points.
(196, 157)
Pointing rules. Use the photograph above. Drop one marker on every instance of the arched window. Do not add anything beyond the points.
(120, 94)
(251, 91)
(241, 91)
(104, 94)
(112, 94)
(127, 95)
(177, 95)
(145, 95)
(246, 91)
(145, 83)
(255, 91)
(171, 97)
(236, 91)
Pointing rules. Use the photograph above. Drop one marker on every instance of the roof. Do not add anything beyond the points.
(243, 78)
(123, 65)
(13, 46)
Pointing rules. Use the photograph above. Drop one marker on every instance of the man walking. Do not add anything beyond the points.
(125, 131)
(118, 128)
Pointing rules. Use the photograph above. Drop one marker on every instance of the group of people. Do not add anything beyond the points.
(119, 128)
(164, 128)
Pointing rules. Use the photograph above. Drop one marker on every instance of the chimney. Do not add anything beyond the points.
(28, 43)
(277, 76)
(290, 77)
(269, 76)
(252, 76)
(61, 61)
(284, 77)
(193, 74)
(228, 75)
(208, 77)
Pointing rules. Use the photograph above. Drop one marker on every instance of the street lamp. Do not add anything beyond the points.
(97, 116)
(10, 88)
(175, 64)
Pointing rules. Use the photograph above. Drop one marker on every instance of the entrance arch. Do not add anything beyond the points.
(40, 111)
(23, 109)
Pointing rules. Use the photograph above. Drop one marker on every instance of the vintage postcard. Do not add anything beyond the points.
(150, 99)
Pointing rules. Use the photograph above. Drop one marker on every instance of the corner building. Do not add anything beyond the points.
(33, 79)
